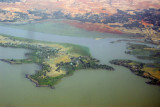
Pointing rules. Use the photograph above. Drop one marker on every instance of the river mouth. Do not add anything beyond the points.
(84, 87)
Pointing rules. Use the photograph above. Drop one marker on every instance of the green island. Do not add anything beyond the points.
(146, 70)
(57, 60)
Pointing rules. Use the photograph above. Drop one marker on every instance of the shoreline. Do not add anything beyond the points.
(9, 61)
(150, 70)
(36, 83)
(69, 58)
(137, 70)
(98, 27)
(153, 80)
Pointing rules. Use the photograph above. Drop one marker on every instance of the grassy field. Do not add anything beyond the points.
(148, 70)
(56, 59)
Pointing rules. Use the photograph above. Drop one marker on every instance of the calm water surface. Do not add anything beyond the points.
(84, 88)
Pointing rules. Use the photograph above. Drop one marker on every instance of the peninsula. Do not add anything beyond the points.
(57, 60)
(146, 70)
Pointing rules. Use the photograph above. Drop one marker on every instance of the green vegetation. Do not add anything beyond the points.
(144, 52)
(84, 51)
(56, 60)
(49, 81)
(147, 70)
(58, 27)
(134, 66)
(77, 49)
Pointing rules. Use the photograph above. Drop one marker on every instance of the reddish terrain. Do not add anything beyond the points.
(94, 27)
(107, 16)
(82, 6)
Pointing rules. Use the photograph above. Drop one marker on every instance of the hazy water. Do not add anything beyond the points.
(57, 28)
(84, 88)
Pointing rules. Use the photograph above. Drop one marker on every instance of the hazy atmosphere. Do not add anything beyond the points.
(79, 53)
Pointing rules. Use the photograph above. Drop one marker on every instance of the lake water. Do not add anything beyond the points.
(90, 88)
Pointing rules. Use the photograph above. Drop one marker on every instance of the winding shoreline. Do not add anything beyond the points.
(56, 60)
(37, 85)
(137, 70)
(144, 52)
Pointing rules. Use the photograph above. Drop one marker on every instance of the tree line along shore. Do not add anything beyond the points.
(56, 60)
(60, 60)
(146, 70)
